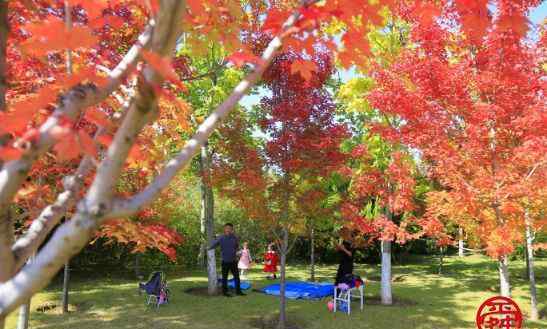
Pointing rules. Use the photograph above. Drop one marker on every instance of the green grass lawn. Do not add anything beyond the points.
(447, 301)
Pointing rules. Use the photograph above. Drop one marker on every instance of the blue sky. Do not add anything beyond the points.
(537, 16)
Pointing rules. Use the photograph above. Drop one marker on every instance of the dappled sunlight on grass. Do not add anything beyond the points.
(431, 301)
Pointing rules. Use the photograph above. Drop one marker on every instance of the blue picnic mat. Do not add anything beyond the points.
(301, 290)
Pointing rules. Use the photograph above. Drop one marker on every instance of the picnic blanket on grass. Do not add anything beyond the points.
(301, 290)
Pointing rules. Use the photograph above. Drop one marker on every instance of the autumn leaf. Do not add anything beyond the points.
(67, 148)
(304, 68)
(162, 65)
(195, 6)
(87, 144)
(426, 13)
(97, 117)
(94, 8)
(52, 35)
(240, 58)
(8, 153)
(275, 20)
(105, 139)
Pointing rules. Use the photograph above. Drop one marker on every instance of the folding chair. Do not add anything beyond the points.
(345, 295)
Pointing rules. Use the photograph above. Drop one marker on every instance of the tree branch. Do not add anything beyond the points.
(73, 235)
(129, 206)
(28, 244)
(13, 173)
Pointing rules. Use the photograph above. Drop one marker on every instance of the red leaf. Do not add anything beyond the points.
(97, 117)
(196, 7)
(87, 144)
(240, 58)
(275, 20)
(162, 65)
(94, 8)
(8, 153)
(304, 68)
(52, 35)
(426, 13)
(67, 148)
(105, 139)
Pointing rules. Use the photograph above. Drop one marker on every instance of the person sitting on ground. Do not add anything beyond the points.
(270, 262)
(229, 243)
(245, 259)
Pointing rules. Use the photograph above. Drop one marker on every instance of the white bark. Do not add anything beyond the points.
(534, 314)
(13, 173)
(385, 284)
(74, 234)
(460, 242)
(24, 316)
(208, 205)
(96, 206)
(24, 312)
(283, 250)
(28, 244)
(173, 166)
(503, 268)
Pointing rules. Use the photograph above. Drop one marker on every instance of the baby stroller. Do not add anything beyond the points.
(156, 289)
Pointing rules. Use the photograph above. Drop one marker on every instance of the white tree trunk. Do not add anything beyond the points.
(460, 242)
(441, 260)
(99, 202)
(505, 286)
(385, 290)
(24, 315)
(24, 312)
(203, 215)
(207, 220)
(534, 314)
(282, 282)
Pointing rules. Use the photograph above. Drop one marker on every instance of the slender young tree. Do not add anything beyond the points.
(469, 101)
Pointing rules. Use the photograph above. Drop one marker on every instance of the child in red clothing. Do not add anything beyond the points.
(270, 262)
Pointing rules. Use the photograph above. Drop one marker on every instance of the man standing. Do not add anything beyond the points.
(229, 243)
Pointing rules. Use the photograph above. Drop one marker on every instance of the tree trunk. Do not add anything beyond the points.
(24, 311)
(505, 286)
(203, 215)
(282, 283)
(68, 26)
(208, 221)
(312, 255)
(441, 255)
(138, 274)
(526, 260)
(24, 314)
(386, 273)
(66, 280)
(534, 314)
(460, 242)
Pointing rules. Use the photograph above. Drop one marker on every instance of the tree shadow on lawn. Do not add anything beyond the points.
(448, 301)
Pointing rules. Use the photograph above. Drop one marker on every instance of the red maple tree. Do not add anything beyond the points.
(470, 99)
